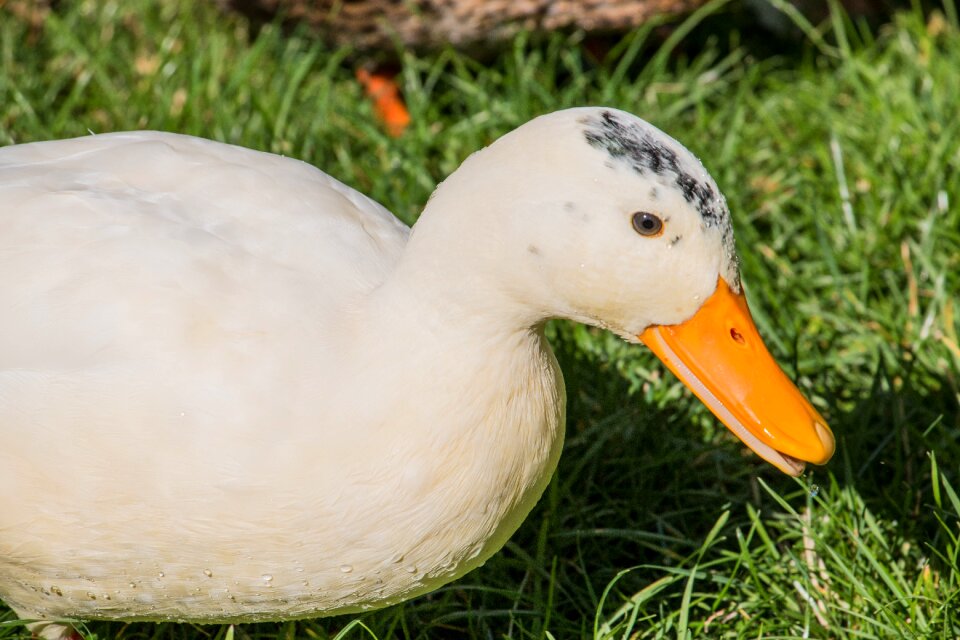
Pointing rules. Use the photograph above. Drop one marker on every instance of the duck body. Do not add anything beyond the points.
(233, 389)
(192, 370)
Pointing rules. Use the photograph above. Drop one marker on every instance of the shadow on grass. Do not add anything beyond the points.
(641, 487)
(885, 443)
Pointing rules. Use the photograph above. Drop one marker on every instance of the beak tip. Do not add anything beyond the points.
(790, 466)
(827, 442)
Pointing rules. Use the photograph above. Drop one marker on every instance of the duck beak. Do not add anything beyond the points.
(720, 356)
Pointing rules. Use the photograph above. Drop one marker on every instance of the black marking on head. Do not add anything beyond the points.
(654, 194)
(533, 249)
(646, 154)
(675, 240)
(626, 142)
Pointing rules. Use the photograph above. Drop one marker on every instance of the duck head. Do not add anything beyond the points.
(595, 215)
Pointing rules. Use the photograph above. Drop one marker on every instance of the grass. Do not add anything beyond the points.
(840, 158)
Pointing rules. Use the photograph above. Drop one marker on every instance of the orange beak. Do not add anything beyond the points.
(720, 356)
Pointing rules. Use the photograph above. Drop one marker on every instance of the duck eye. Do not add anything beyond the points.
(647, 224)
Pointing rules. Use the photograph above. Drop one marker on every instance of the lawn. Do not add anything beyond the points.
(839, 154)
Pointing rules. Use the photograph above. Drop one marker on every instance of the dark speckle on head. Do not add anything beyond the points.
(627, 142)
(569, 206)
(650, 155)
(675, 240)
(533, 249)
(654, 194)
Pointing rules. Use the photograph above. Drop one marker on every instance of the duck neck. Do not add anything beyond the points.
(444, 298)
(453, 279)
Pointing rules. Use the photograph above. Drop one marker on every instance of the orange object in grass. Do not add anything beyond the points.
(385, 94)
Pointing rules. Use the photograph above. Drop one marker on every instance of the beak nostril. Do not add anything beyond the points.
(737, 336)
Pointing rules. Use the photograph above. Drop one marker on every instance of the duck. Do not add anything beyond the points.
(234, 389)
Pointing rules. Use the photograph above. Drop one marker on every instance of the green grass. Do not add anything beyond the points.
(841, 161)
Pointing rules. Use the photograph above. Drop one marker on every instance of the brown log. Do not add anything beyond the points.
(374, 24)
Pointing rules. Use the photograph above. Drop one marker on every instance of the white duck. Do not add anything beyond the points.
(234, 389)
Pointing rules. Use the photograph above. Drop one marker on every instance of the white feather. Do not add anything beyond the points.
(232, 390)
